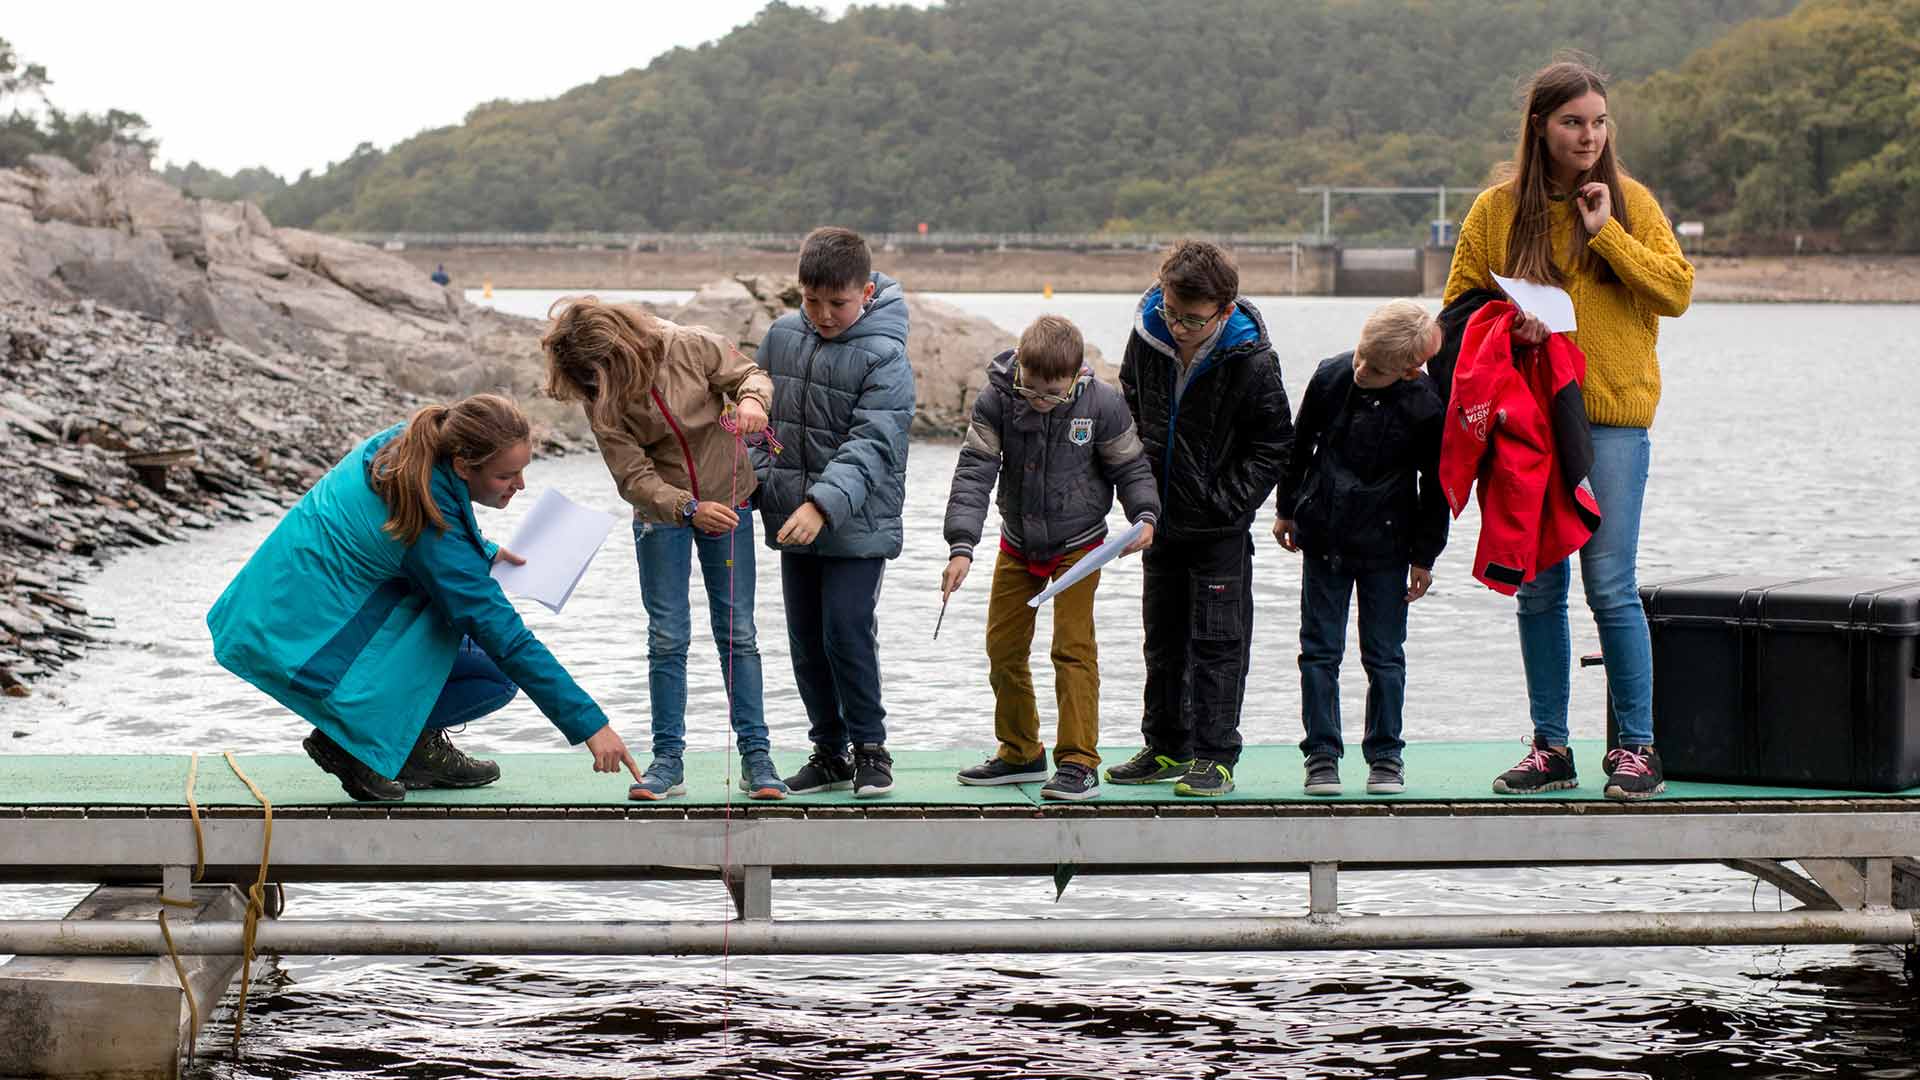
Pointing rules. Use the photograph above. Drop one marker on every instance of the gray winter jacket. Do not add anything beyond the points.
(841, 409)
(1058, 470)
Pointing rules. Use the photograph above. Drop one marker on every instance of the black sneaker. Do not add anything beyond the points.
(998, 770)
(1072, 781)
(872, 771)
(1387, 777)
(437, 763)
(1543, 769)
(356, 779)
(1149, 766)
(1634, 772)
(1323, 775)
(826, 770)
(1205, 778)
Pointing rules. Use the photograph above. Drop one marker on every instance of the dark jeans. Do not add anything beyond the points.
(1197, 602)
(834, 636)
(475, 687)
(1325, 595)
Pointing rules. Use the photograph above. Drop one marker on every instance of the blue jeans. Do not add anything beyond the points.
(665, 554)
(475, 687)
(1325, 594)
(1621, 456)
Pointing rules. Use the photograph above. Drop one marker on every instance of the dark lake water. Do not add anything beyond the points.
(1785, 444)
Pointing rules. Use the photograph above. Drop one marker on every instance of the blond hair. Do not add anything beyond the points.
(1051, 348)
(602, 355)
(1396, 336)
(472, 430)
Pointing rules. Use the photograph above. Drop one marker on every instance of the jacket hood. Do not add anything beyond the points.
(1244, 327)
(885, 314)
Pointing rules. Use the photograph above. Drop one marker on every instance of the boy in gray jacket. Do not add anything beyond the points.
(1060, 443)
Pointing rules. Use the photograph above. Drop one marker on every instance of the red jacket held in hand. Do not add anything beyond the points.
(1516, 421)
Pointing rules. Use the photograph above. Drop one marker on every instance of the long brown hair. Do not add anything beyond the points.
(603, 355)
(471, 430)
(1530, 241)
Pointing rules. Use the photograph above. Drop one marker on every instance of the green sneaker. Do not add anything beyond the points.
(1205, 778)
(1149, 766)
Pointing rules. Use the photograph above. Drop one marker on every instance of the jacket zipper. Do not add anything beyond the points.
(806, 398)
(693, 478)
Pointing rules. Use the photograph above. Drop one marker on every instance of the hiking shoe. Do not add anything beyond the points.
(1149, 766)
(356, 779)
(1072, 781)
(998, 770)
(664, 778)
(1323, 775)
(872, 771)
(1387, 777)
(1634, 772)
(1543, 769)
(758, 778)
(1205, 778)
(825, 770)
(436, 763)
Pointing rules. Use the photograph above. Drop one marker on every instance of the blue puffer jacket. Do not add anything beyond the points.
(356, 632)
(841, 408)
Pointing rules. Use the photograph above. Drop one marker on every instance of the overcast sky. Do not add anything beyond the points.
(295, 86)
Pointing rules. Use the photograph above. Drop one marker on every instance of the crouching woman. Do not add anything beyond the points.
(370, 611)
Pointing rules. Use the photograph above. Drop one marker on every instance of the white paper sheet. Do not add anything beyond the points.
(559, 539)
(1094, 560)
(1549, 304)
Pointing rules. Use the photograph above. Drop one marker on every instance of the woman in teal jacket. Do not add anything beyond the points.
(370, 610)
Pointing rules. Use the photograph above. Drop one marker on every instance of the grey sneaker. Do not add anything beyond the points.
(1323, 775)
(1072, 781)
(998, 770)
(758, 778)
(1388, 777)
(664, 777)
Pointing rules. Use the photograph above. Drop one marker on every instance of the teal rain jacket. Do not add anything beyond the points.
(356, 632)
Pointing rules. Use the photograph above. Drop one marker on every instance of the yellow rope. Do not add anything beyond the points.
(256, 900)
(179, 969)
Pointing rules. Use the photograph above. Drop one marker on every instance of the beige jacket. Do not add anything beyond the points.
(669, 447)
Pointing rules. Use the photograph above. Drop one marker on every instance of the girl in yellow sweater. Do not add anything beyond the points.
(1564, 213)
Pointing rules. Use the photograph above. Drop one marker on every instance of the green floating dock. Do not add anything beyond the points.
(1453, 772)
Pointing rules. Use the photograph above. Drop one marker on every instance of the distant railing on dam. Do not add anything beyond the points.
(771, 241)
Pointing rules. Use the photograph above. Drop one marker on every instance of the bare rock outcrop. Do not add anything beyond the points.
(949, 348)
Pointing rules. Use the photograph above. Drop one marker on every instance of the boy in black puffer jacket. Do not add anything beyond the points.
(1202, 381)
(1362, 500)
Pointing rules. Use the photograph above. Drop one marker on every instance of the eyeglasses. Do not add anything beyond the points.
(763, 436)
(1036, 395)
(1187, 322)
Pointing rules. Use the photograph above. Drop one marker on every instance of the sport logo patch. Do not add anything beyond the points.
(1081, 432)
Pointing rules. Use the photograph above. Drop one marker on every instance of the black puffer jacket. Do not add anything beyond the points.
(1057, 471)
(1218, 447)
(1351, 487)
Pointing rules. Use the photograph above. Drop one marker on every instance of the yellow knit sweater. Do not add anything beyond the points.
(1618, 323)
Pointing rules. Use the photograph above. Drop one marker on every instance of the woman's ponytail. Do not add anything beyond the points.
(472, 430)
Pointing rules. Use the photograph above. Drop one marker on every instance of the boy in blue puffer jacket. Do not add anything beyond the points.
(832, 487)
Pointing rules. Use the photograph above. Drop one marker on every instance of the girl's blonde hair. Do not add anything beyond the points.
(472, 430)
(1530, 241)
(1396, 336)
(602, 355)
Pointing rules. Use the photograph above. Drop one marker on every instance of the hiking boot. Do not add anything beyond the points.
(1323, 775)
(872, 771)
(758, 778)
(826, 770)
(1205, 778)
(356, 779)
(1634, 772)
(1149, 766)
(1386, 777)
(1072, 781)
(665, 777)
(998, 770)
(1545, 768)
(437, 763)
